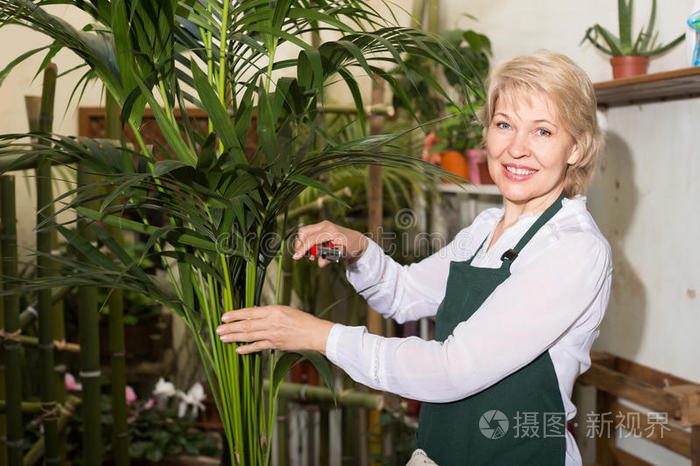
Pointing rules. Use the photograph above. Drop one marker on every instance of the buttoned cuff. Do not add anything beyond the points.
(361, 273)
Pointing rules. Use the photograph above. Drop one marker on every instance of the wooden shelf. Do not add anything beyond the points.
(656, 87)
(467, 188)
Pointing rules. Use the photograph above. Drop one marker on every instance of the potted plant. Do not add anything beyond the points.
(225, 209)
(629, 57)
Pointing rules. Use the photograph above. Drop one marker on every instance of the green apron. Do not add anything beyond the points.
(518, 420)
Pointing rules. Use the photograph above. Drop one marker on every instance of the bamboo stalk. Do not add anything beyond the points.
(44, 197)
(30, 162)
(117, 349)
(13, 358)
(318, 394)
(434, 16)
(378, 109)
(29, 407)
(27, 316)
(417, 13)
(3, 421)
(37, 450)
(88, 326)
(58, 345)
(314, 205)
(374, 319)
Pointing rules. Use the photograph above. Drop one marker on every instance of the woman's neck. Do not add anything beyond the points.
(512, 211)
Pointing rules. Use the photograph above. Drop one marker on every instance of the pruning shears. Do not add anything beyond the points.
(328, 250)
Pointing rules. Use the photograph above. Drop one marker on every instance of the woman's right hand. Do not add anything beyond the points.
(354, 242)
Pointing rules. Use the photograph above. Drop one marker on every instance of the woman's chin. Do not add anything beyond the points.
(512, 191)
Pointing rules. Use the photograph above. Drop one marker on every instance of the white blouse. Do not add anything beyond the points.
(553, 301)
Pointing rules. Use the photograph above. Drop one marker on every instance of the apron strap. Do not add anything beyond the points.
(479, 248)
(511, 254)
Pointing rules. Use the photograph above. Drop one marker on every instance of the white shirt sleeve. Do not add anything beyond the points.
(522, 318)
(407, 292)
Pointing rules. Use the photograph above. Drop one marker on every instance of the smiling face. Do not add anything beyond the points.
(528, 150)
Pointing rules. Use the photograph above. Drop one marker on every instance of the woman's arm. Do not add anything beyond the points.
(400, 292)
(523, 317)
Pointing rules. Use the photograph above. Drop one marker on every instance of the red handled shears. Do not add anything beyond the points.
(328, 250)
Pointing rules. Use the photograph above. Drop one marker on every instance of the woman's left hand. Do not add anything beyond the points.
(274, 327)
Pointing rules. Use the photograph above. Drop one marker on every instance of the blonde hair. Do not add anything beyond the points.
(571, 92)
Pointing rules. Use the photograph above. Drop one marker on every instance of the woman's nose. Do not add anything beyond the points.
(518, 146)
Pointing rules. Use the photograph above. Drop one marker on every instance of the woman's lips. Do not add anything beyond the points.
(517, 176)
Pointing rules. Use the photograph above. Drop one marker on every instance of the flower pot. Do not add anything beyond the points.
(478, 166)
(628, 66)
(454, 162)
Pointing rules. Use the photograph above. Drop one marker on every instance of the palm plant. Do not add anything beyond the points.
(223, 207)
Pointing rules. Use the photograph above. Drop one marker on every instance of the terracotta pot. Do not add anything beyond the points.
(628, 66)
(478, 166)
(454, 162)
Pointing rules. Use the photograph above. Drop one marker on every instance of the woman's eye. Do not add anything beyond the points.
(502, 125)
(543, 132)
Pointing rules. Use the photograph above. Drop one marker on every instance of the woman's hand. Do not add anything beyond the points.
(274, 327)
(354, 242)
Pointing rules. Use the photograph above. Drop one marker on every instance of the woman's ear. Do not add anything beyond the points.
(575, 155)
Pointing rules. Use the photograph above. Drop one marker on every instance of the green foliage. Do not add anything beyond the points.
(221, 201)
(459, 131)
(156, 434)
(418, 78)
(645, 44)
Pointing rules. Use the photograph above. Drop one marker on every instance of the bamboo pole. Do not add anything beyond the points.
(120, 436)
(282, 407)
(30, 162)
(374, 319)
(318, 394)
(3, 421)
(44, 198)
(61, 346)
(313, 206)
(88, 326)
(29, 407)
(27, 316)
(37, 450)
(13, 357)
(417, 13)
(434, 16)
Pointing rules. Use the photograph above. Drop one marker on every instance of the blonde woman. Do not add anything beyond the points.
(518, 295)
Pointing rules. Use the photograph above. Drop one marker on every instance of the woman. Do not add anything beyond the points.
(518, 295)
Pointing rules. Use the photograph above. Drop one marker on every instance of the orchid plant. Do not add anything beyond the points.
(224, 207)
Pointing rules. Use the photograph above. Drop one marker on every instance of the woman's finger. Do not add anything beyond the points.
(245, 337)
(245, 313)
(254, 347)
(308, 238)
(243, 326)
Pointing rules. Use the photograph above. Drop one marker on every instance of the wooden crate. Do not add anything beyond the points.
(654, 390)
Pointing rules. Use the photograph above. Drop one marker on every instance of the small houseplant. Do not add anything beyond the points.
(629, 58)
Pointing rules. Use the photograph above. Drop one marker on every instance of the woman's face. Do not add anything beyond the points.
(528, 149)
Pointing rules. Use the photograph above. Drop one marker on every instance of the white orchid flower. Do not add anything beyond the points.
(164, 389)
(193, 398)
